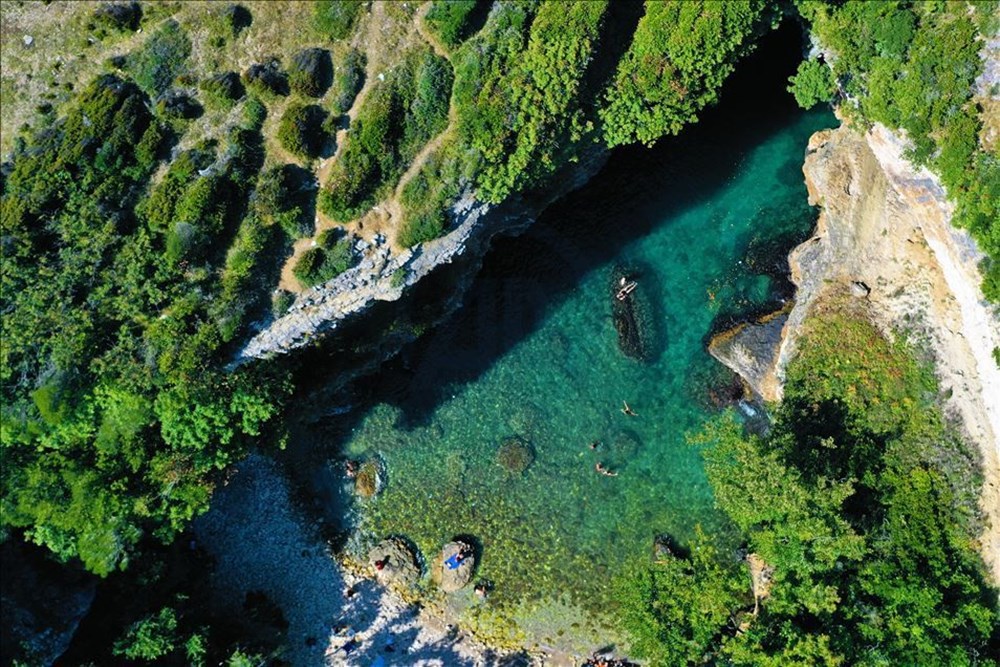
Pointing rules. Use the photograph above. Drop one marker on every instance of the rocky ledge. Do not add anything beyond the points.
(884, 235)
(384, 275)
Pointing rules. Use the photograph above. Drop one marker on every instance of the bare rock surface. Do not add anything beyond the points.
(452, 580)
(394, 563)
(751, 350)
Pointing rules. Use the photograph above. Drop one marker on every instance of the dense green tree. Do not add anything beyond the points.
(862, 500)
(680, 54)
(812, 84)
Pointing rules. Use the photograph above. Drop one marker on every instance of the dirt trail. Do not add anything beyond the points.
(385, 216)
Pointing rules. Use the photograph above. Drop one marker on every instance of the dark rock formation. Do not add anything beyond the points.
(41, 604)
(515, 455)
(630, 312)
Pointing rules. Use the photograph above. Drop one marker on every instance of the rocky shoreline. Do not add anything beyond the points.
(884, 235)
(385, 275)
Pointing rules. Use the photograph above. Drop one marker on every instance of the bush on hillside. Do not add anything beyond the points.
(159, 60)
(336, 18)
(223, 90)
(812, 84)
(267, 78)
(301, 130)
(311, 72)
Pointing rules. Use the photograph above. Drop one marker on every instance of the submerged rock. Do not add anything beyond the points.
(395, 562)
(368, 480)
(630, 312)
(515, 455)
(454, 579)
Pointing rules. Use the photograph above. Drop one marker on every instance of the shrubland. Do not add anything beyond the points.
(862, 498)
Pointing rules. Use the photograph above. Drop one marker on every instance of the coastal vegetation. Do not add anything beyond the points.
(862, 502)
(151, 200)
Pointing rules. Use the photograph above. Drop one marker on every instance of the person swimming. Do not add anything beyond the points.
(626, 410)
(601, 468)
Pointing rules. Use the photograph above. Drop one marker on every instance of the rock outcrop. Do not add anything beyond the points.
(884, 234)
(395, 563)
(384, 275)
(454, 579)
(751, 349)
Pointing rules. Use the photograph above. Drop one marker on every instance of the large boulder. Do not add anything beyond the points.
(451, 580)
(395, 563)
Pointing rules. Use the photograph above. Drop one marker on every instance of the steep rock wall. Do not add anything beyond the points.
(884, 234)
(383, 275)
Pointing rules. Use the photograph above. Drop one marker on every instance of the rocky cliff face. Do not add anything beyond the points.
(383, 275)
(884, 234)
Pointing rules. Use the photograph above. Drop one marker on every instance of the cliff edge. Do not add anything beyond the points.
(884, 234)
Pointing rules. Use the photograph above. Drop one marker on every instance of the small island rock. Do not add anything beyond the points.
(458, 578)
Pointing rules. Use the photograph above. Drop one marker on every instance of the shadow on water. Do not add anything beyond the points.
(523, 278)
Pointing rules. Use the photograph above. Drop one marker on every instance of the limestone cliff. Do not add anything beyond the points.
(884, 234)
(384, 275)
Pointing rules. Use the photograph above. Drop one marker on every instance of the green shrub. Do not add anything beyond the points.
(281, 301)
(282, 198)
(301, 130)
(156, 64)
(150, 638)
(336, 18)
(254, 113)
(116, 16)
(450, 19)
(311, 72)
(349, 79)
(223, 90)
(321, 263)
(812, 84)
(227, 23)
(175, 105)
(267, 79)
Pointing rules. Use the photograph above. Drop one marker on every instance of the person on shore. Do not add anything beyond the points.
(455, 560)
(380, 564)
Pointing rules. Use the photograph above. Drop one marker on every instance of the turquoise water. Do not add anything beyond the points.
(705, 222)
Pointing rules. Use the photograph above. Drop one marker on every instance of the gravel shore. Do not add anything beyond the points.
(261, 542)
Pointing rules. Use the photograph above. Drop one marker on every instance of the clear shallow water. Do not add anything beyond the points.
(533, 352)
